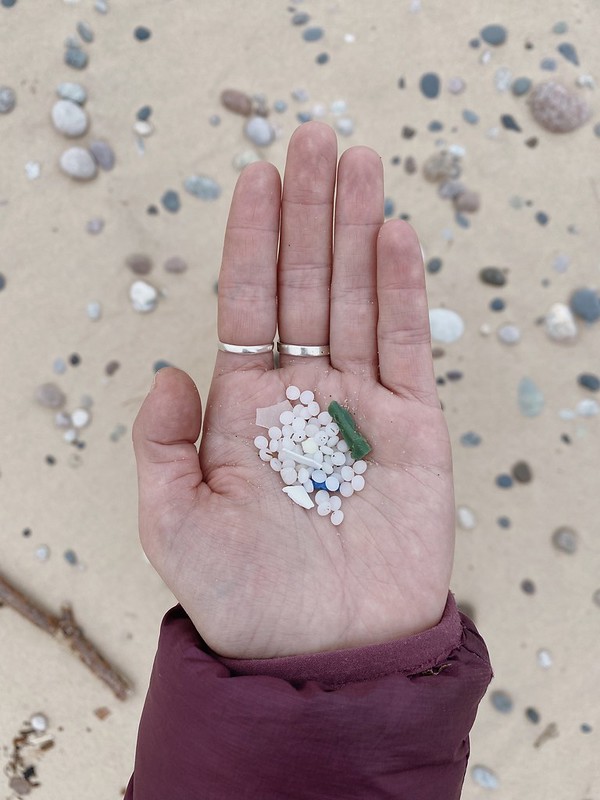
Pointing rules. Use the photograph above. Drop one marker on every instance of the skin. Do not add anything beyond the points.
(259, 576)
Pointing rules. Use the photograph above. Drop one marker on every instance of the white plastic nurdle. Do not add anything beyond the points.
(292, 392)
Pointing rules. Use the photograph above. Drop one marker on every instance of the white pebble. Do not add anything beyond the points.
(276, 464)
(322, 496)
(292, 392)
(318, 476)
(260, 131)
(80, 418)
(275, 433)
(94, 310)
(306, 397)
(325, 418)
(323, 509)
(286, 418)
(143, 296)
(261, 442)
(359, 467)
(337, 517)
(289, 475)
(39, 722)
(143, 128)
(69, 118)
(335, 502)
(347, 473)
(358, 483)
(265, 455)
(78, 163)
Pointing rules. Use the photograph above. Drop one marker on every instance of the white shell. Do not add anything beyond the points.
(299, 495)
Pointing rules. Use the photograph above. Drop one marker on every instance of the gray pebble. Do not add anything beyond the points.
(95, 225)
(72, 91)
(430, 85)
(259, 131)
(530, 398)
(300, 18)
(521, 86)
(441, 166)
(502, 701)
(103, 153)
(313, 34)
(470, 439)
(521, 472)
(568, 51)
(456, 85)
(585, 303)
(203, 187)
(344, 126)
(493, 34)
(557, 108)
(492, 276)
(86, 33)
(451, 189)
(485, 777)
(101, 6)
(470, 116)
(509, 334)
(69, 118)
(50, 395)
(560, 27)
(565, 539)
(76, 58)
(59, 367)
(139, 263)
(78, 163)
(410, 165)
(8, 99)
(171, 201)
(175, 264)
(548, 64)
(596, 597)
(467, 202)
(589, 381)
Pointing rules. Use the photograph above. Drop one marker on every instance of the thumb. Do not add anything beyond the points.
(164, 435)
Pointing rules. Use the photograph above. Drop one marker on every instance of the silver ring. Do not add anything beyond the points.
(302, 350)
(246, 349)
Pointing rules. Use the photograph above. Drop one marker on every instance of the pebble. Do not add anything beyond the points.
(509, 334)
(112, 367)
(456, 85)
(144, 113)
(589, 381)
(504, 481)
(175, 264)
(103, 153)
(468, 202)
(568, 51)
(76, 58)
(485, 777)
(78, 163)
(521, 86)
(344, 126)
(451, 189)
(94, 310)
(493, 34)
(42, 552)
(470, 439)
(492, 276)
(466, 518)
(143, 296)
(502, 701)
(33, 170)
(530, 398)
(313, 34)
(560, 27)
(548, 64)
(565, 539)
(510, 123)
(587, 408)
(8, 99)
(73, 92)
(86, 33)
(502, 79)
(171, 201)
(59, 367)
(446, 325)
(2, 281)
(528, 586)
(143, 128)
(50, 395)
(101, 6)
(434, 265)
(142, 34)
(544, 659)
(236, 101)
(585, 304)
(521, 472)
(410, 165)
(69, 118)
(139, 263)
(542, 218)
(39, 722)
(300, 18)
(441, 166)
(557, 108)
(470, 116)
(203, 187)
(430, 84)
(94, 225)
(560, 324)
(596, 597)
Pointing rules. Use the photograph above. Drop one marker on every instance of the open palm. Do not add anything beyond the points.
(259, 576)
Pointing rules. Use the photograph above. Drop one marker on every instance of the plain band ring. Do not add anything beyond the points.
(246, 349)
(302, 350)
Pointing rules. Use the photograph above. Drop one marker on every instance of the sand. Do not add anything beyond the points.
(54, 268)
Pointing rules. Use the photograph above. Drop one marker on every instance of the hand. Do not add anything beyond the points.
(259, 576)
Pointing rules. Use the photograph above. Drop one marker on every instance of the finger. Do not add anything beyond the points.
(403, 334)
(164, 435)
(306, 238)
(247, 310)
(358, 218)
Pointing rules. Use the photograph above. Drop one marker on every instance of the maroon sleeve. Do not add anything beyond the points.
(385, 721)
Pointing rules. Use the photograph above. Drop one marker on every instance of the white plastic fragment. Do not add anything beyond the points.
(299, 495)
(268, 416)
(308, 462)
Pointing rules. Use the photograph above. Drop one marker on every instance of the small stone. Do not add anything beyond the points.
(236, 101)
(504, 481)
(259, 131)
(430, 85)
(73, 92)
(502, 79)
(589, 381)
(557, 108)
(565, 539)
(510, 123)
(502, 701)
(493, 34)
(17, 783)
(468, 202)
(78, 164)
(143, 296)
(103, 153)
(143, 128)
(33, 170)
(451, 189)
(470, 439)
(2, 281)
(142, 34)
(410, 165)
(95, 225)
(509, 334)
(139, 263)
(62, 420)
(144, 113)
(485, 777)
(521, 86)
(544, 659)
(456, 85)
(8, 99)
(313, 34)
(521, 472)
(101, 6)
(466, 518)
(492, 276)
(171, 201)
(532, 715)
(560, 324)
(76, 58)
(80, 418)
(530, 398)
(242, 160)
(94, 310)
(585, 303)
(441, 166)
(300, 18)
(70, 556)
(175, 264)
(344, 126)
(446, 325)
(587, 408)
(39, 722)
(111, 367)
(548, 64)
(470, 116)
(596, 597)
(203, 187)
(50, 395)
(42, 553)
(434, 265)
(542, 218)
(560, 27)
(69, 118)
(86, 33)
(528, 586)
(568, 51)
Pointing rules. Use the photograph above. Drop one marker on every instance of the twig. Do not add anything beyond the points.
(65, 629)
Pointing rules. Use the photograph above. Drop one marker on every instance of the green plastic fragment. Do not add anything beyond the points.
(359, 447)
